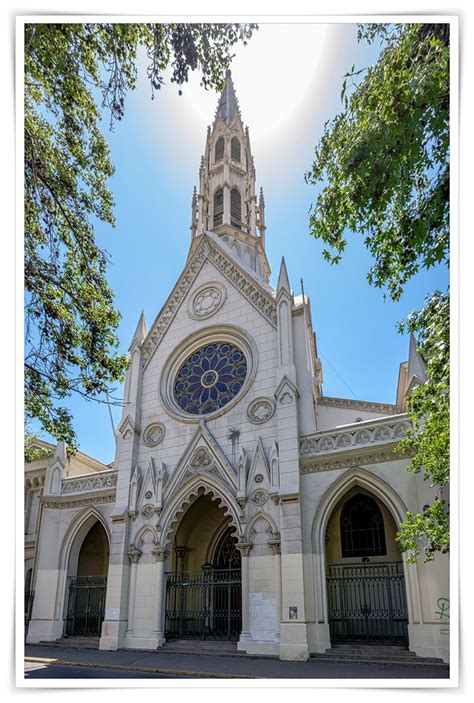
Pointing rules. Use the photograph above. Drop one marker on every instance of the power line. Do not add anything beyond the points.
(339, 376)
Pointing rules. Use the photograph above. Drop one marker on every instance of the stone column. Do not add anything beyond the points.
(133, 555)
(276, 547)
(160, 554)
(244, 549)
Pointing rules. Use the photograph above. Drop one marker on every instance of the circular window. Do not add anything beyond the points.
(210, 378)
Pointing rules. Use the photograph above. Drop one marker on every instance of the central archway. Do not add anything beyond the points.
(203, 588)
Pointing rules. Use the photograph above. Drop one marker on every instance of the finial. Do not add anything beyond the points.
(283, 281)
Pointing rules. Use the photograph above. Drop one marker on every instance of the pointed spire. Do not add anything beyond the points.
(140, 332)
(416, 366)
(283, 281)
(228, 106)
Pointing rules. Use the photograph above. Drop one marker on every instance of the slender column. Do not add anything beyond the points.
(276, 546)
(158, 628)
(245, 551)
(133, 555)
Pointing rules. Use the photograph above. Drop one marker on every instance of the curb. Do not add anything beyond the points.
(145, 670)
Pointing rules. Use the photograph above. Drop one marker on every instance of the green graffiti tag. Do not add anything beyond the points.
(443, 605)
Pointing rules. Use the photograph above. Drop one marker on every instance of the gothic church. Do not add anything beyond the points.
(243, 504)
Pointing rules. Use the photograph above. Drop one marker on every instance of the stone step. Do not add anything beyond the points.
(202, 647)
(406, 659)
(74, 643)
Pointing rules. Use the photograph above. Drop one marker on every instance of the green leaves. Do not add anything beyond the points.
(384, 160)
(71, 322)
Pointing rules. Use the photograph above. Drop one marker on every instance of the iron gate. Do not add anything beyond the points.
(204, 604)
(86, 605)
(367, 602)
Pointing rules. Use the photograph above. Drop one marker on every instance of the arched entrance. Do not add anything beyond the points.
(87, 582)
(365, 582)
(203, 588)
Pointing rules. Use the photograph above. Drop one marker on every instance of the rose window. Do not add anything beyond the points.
(210, 378)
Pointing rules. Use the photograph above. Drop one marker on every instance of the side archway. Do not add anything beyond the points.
(348, 484)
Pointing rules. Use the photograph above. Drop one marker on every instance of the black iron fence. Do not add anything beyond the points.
(367, 602)
(204, 604)
(29, 595)
(86, 605)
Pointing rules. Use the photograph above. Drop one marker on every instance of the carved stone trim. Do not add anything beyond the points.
(244, 548)
(66, 504)
(160, 553)
(261, 300)
(259, 496)
(91, 482)
(348, 460)
(133, 554)
(386, 408)
(353, 437)
(206, 301)
(260, 410)
(154, 434)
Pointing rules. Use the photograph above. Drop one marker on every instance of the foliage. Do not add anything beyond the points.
(428, 406)
(384, 159)
(71, 321)
(382, 171)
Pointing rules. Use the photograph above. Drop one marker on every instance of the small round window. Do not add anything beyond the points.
(209, 378)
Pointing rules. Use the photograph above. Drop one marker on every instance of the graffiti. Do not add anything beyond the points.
(443, 605)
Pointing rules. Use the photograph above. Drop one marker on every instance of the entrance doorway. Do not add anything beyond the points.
(203, 591)
(364, 574)
(87, 588)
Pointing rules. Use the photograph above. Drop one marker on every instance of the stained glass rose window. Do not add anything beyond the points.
(209, 378)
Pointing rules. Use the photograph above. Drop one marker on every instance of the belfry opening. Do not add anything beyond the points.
(203, 587)
(365, 580)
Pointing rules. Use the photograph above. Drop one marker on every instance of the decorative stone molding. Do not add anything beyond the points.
(65, 503)
(259, 497)
(201, 459)
(244, 548)
(84, 484)
(160, 553)
(148, 511)
(377, 432)
(385, 408)
(261, 300)
(206, 301)
(154, 434)
(258, 478)
(348, 461)
(260, 410)
(133, 554)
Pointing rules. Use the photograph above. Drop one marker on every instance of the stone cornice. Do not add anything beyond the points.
(352, 445)
(366, 405)
(65, 502)
(207, 249)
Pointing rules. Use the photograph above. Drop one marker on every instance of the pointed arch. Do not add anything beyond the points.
(142, 532)
(76, 532)
(218, 213)
(219, 149)
(235, 150)
(235, 208)
(194, 488)
(378, 487)
(260, 515)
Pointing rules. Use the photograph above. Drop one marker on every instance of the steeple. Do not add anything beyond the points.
(225, 202)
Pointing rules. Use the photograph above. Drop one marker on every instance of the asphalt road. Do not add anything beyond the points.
(58, 671)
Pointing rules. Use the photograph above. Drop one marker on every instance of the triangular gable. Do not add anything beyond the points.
(259, 467)
(208, 249)
(286, 386)
(203, 456)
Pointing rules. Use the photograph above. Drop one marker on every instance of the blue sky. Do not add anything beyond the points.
(288, 82)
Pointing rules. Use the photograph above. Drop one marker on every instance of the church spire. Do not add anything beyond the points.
(225, 202)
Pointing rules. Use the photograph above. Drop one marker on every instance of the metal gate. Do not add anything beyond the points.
(367, 602)
(204, 604)
(86, 605)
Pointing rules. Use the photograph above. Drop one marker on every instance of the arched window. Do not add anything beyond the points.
(235, 149)
(362, 528)
(235, 208)
(219, 152)
(218, 207)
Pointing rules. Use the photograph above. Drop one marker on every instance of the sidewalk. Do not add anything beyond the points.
(216, 666)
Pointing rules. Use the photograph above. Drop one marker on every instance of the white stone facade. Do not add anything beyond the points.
(275, 463)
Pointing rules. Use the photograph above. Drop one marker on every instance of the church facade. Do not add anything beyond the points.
(243, 504)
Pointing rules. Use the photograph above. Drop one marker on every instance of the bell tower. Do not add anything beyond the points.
(226, 203)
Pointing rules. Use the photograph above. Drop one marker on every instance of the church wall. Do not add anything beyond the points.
(329, 418)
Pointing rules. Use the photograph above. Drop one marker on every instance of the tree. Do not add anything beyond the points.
(382, 171)
(71, 321)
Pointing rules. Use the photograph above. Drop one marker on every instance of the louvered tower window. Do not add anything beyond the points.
(219, 153)
(235, 149)
(218, 207)
(235, 208)
(362, 528)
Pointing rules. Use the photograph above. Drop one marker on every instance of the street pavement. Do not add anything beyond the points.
(43, 662)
